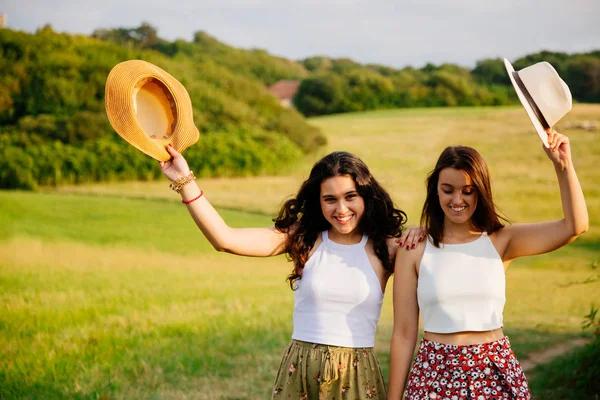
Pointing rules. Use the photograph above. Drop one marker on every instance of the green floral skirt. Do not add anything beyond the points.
(311, 371)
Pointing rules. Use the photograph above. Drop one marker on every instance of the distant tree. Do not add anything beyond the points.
(144, 36)
(583, 77)
(368, 89)
(382, 69)
(318, 64)
(556, 59)
(201, 37)
(45, 30)
(343, 65)
(429, 67)
(320, 95)
(450, 89)
(491, 72)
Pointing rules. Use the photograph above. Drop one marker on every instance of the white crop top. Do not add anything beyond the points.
(461, 287)
(338, 300)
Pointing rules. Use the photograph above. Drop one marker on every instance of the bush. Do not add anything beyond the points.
(321, 95)
(28, 160)
(16, 169)
(242, 151)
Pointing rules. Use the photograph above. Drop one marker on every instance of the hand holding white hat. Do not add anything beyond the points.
(559, 149)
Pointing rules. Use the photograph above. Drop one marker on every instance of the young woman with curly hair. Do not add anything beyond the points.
(340, 231)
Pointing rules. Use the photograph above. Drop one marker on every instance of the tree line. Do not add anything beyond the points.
(54, 129)
(341, 85)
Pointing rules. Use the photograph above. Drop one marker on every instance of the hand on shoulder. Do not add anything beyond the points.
(411, 237)
(411, 256)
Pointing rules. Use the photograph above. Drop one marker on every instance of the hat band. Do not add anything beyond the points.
(534, 106)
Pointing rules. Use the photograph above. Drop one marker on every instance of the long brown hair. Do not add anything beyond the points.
(485, 217)
(302, 219)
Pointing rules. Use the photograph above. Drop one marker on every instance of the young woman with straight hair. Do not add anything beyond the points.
(456, 280)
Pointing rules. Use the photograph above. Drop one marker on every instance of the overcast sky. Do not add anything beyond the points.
(395, 33)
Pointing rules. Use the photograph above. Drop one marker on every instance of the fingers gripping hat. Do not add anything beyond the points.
(149, 108)
(544, 95)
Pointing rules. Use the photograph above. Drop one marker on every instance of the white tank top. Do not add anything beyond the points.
(338, 300)
(461, 287)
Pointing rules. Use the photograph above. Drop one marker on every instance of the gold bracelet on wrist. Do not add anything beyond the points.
(178, 184)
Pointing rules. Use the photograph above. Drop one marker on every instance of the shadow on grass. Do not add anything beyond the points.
(575, 375)
(527, 341)
(589, 244)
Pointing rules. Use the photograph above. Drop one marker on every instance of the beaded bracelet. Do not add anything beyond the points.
(192, 200)
(181, 182)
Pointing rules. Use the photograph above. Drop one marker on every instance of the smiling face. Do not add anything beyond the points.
(343, 207)
(457, 195)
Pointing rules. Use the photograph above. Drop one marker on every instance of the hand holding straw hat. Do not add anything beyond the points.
(544, 95)
(149, 108)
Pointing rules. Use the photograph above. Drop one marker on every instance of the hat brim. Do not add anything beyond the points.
(121, 84)
(537, 125)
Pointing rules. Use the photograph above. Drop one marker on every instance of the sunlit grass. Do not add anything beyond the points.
(84, 320)
(110, 291)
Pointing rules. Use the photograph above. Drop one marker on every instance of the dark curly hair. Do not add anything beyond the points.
(302, 219)
(485, 217)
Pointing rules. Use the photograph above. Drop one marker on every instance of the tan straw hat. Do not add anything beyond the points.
(149, 108)
(544, 95)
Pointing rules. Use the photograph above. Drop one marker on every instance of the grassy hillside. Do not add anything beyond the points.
(401, 147)
(110, 291)
(53, 123)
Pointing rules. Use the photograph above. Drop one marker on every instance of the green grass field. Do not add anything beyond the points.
(109, 291)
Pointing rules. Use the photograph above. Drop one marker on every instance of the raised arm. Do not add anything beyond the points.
(406, 319)
(256, 242)
(530, 239)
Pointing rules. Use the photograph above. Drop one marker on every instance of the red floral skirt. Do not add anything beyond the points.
(480, 371)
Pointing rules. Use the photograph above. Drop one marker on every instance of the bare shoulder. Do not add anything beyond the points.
(501, 238)
(411, 257)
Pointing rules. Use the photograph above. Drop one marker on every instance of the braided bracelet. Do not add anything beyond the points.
(181, 182)
(186, 202)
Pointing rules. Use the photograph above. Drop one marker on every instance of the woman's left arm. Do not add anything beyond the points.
(539, 238)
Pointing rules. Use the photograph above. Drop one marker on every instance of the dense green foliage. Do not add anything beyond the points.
(54, 128)
(341, 85)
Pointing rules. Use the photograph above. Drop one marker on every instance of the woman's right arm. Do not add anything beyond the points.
(406, 320)
(255, 242)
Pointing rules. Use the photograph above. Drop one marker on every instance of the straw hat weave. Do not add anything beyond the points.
(149, 108)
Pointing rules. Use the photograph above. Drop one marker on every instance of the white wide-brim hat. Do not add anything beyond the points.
(149, 108)
(544, 95)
